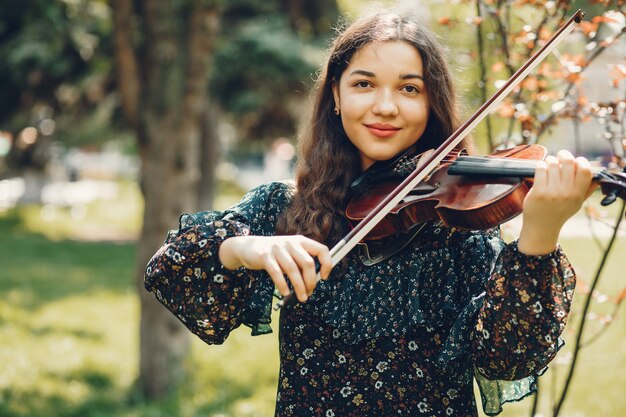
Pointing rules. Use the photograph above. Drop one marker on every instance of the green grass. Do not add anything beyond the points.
(67, 315)
(69, 343)
(69, 325)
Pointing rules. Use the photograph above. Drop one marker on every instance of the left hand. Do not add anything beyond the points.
(560, 187)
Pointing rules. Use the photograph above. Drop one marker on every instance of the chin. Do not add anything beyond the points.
(384, 156)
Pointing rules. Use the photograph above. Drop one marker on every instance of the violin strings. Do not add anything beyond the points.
(505, 161)
(495, 162)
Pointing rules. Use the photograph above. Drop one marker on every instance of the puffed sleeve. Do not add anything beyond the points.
(523, 314)
(517, 331)
(187, 277)
(515, 310)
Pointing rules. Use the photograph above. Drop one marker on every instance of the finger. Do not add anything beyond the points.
(276, 274)
(322, 254)
(553, 177)
(568, 169)
(541, 176)
(305, 263)
(584, 176)
(564, 154)
(291, 269)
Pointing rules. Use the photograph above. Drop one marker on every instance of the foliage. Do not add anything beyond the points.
(55, 63)
(506, 34)
(56, 67)
(55, 71)
(45, 45)
(266, 53)
(247, 67)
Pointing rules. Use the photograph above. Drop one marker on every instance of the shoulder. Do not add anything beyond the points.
(277, 193)
(261, 201)
(265, 202)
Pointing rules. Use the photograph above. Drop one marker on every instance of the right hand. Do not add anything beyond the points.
(292, 256)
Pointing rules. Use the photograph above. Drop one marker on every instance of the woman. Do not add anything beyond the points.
(407, 334)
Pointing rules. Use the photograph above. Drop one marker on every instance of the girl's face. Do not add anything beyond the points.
(383, 100)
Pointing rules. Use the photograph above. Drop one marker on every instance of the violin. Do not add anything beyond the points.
(428, 163)
(467, 192)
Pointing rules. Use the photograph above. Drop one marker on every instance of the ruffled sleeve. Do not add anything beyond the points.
(526, 304)
(187, 277)
(518, 330)
(515, 310)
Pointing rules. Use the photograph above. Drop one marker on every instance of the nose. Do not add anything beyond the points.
(385, 104)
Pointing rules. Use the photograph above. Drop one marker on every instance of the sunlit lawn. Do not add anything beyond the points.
(68, 332)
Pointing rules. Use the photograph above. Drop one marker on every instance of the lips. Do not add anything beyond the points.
(382, 130)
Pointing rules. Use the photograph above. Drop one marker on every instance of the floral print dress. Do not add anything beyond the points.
(405, 336)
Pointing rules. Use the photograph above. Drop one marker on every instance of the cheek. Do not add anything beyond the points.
(419, 114)
(352, 114)
(354, 106)
(350, 127)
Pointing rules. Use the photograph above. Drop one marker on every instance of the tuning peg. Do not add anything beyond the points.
(609, 198)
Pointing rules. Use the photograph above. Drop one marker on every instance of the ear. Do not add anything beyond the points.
(335, 87)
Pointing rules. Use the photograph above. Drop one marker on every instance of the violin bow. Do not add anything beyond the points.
(429, 162)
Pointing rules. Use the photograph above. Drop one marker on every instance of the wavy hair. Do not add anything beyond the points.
(328, 162)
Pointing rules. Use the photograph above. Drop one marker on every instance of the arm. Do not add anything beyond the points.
(279, 256)
(188, 279)
(524, 310)
(187, 276)
(212, 273)
(530, 291)
(560, 187)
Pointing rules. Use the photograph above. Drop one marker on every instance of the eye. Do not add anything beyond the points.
(362, 84)
(411, 89)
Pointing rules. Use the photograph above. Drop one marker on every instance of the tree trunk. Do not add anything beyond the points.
(34, 181)
(167, 193)
(171, 78)
(210, 153)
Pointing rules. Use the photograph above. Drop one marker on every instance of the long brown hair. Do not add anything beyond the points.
(328, 162)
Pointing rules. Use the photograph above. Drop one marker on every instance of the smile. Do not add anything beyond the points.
(382, 130)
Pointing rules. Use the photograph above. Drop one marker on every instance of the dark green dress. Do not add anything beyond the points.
(403, 337)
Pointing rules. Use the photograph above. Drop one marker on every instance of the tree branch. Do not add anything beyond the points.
(483, 71)
(543, 127)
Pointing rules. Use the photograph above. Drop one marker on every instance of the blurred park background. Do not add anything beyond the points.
(117, 116)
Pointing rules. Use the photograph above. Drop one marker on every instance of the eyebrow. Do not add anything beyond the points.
(371, 74)
(409, 76)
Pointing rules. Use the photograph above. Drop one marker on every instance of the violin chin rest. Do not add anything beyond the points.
(376, 251)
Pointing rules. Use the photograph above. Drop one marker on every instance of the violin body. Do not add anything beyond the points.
(471, 202)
